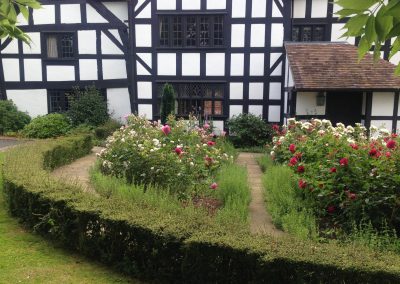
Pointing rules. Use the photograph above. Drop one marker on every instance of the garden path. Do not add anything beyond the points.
(260, 219)
(79, 170)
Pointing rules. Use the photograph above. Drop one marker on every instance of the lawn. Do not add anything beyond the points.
(28, 258)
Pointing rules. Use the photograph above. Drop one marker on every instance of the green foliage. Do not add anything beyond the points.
(288, 209)
(375, 22)
(11, 119)
(160, 246)
(167, 102)
(87, 107)
(47, 126)
(248, 130)
(107, 129)
(265, 162)
(9, 10)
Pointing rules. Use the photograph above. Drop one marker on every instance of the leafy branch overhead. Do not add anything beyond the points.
(9, 10)
(375, 22)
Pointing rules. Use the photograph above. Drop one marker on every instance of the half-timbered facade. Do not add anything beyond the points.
(223, 57)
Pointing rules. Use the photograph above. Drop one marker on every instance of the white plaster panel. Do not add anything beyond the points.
(237, 64)
(237, 35)
(319, 8)
(60, 73)
(235, 110)
(34, 48)
(238, 8)
(119, 9)
(166, 4)
(388, 124)
(285, 96)
(257, 110)
(276, 35)
(11, 69)
(88, 69)
(145, 90)
(141, 70)
(191, 4)
(93, 16)
(259, 8)
(306, 104)
(257, 64)
(145, 13)
(119, 104)
(191, 64)
(21, 20)
(218, 126)
(337, 33)
(215, 64)
(12, 47)
(216, 4)
(87, 42)
(382, 104)
(256, 91)
(274, 113)
(108, 47)
(33, 69)
(299, 8)
(145, 110)
(147, 58)
(44, 16)
(34, 102)
(275, 91)
(143, 35)
(114, 69)
(276, 13)
(70, 13)
(257, 35)
(166, 64)
(273, 58)
(236, 91)
(115, 33)
(395, 59)
(277, 71)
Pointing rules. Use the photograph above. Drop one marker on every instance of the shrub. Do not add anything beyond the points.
(178, 156)
(48, 126)
(349, 176)
(11, 119)
(167, 103)
(248, 130)
(87, 107)
(160, 246)
(107, 129)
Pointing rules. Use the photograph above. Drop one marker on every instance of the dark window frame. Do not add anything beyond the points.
(59, 36)
(216, 26)
(208, 94)
(313, 27)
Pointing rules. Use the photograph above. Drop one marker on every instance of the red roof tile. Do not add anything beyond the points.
(330, 66)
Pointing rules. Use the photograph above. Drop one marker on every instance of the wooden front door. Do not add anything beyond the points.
(344, 107)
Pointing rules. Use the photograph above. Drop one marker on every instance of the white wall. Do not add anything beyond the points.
(33, 69)
(236, 91)
(114, 69)
(191, 64)
(70, 13)
(215, 64)
(274, 113)
(45, 15)
(118, 102)
(60, 73)
(235, 110)
(166, 64)
(306, 104)
(88, 69)
(34, 102)
(144, 90)
(382, 104)
(119, 9)
(256, 91)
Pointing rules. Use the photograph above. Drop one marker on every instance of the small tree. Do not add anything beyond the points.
(167, 102)
(11, 119)
(87, 107)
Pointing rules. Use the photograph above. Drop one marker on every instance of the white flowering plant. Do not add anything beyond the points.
(349, 174)
(179, 156)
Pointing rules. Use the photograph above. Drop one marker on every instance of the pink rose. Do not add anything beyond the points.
(214, 186)
(166, 129)
(292, 148)
(178, 150)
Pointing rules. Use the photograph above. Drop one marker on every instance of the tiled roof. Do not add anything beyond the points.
(334, 66)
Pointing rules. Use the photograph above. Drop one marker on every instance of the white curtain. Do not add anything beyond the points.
(52, 51)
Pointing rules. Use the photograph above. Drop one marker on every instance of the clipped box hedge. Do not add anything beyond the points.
(145, 242)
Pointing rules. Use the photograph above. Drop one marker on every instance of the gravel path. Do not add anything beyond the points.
(6, 143)
(260, 219)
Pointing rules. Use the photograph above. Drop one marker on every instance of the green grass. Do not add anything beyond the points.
(287, 209)
(28, 258)
(265, 162)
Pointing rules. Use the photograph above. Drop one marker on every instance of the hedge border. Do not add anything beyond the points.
(148, 244)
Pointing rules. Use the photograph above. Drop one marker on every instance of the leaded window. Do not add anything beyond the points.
(60, 45)
(308, 33)
(182, 31)
(58, 100)
(200, 99)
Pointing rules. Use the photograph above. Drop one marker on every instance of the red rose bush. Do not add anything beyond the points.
(348, 175)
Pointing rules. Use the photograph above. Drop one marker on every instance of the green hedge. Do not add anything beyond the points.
(151, 244)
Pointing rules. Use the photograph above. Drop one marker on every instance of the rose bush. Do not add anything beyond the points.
(349, 176)
(178, 156)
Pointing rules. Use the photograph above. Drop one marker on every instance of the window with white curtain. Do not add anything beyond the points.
(60, 45)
